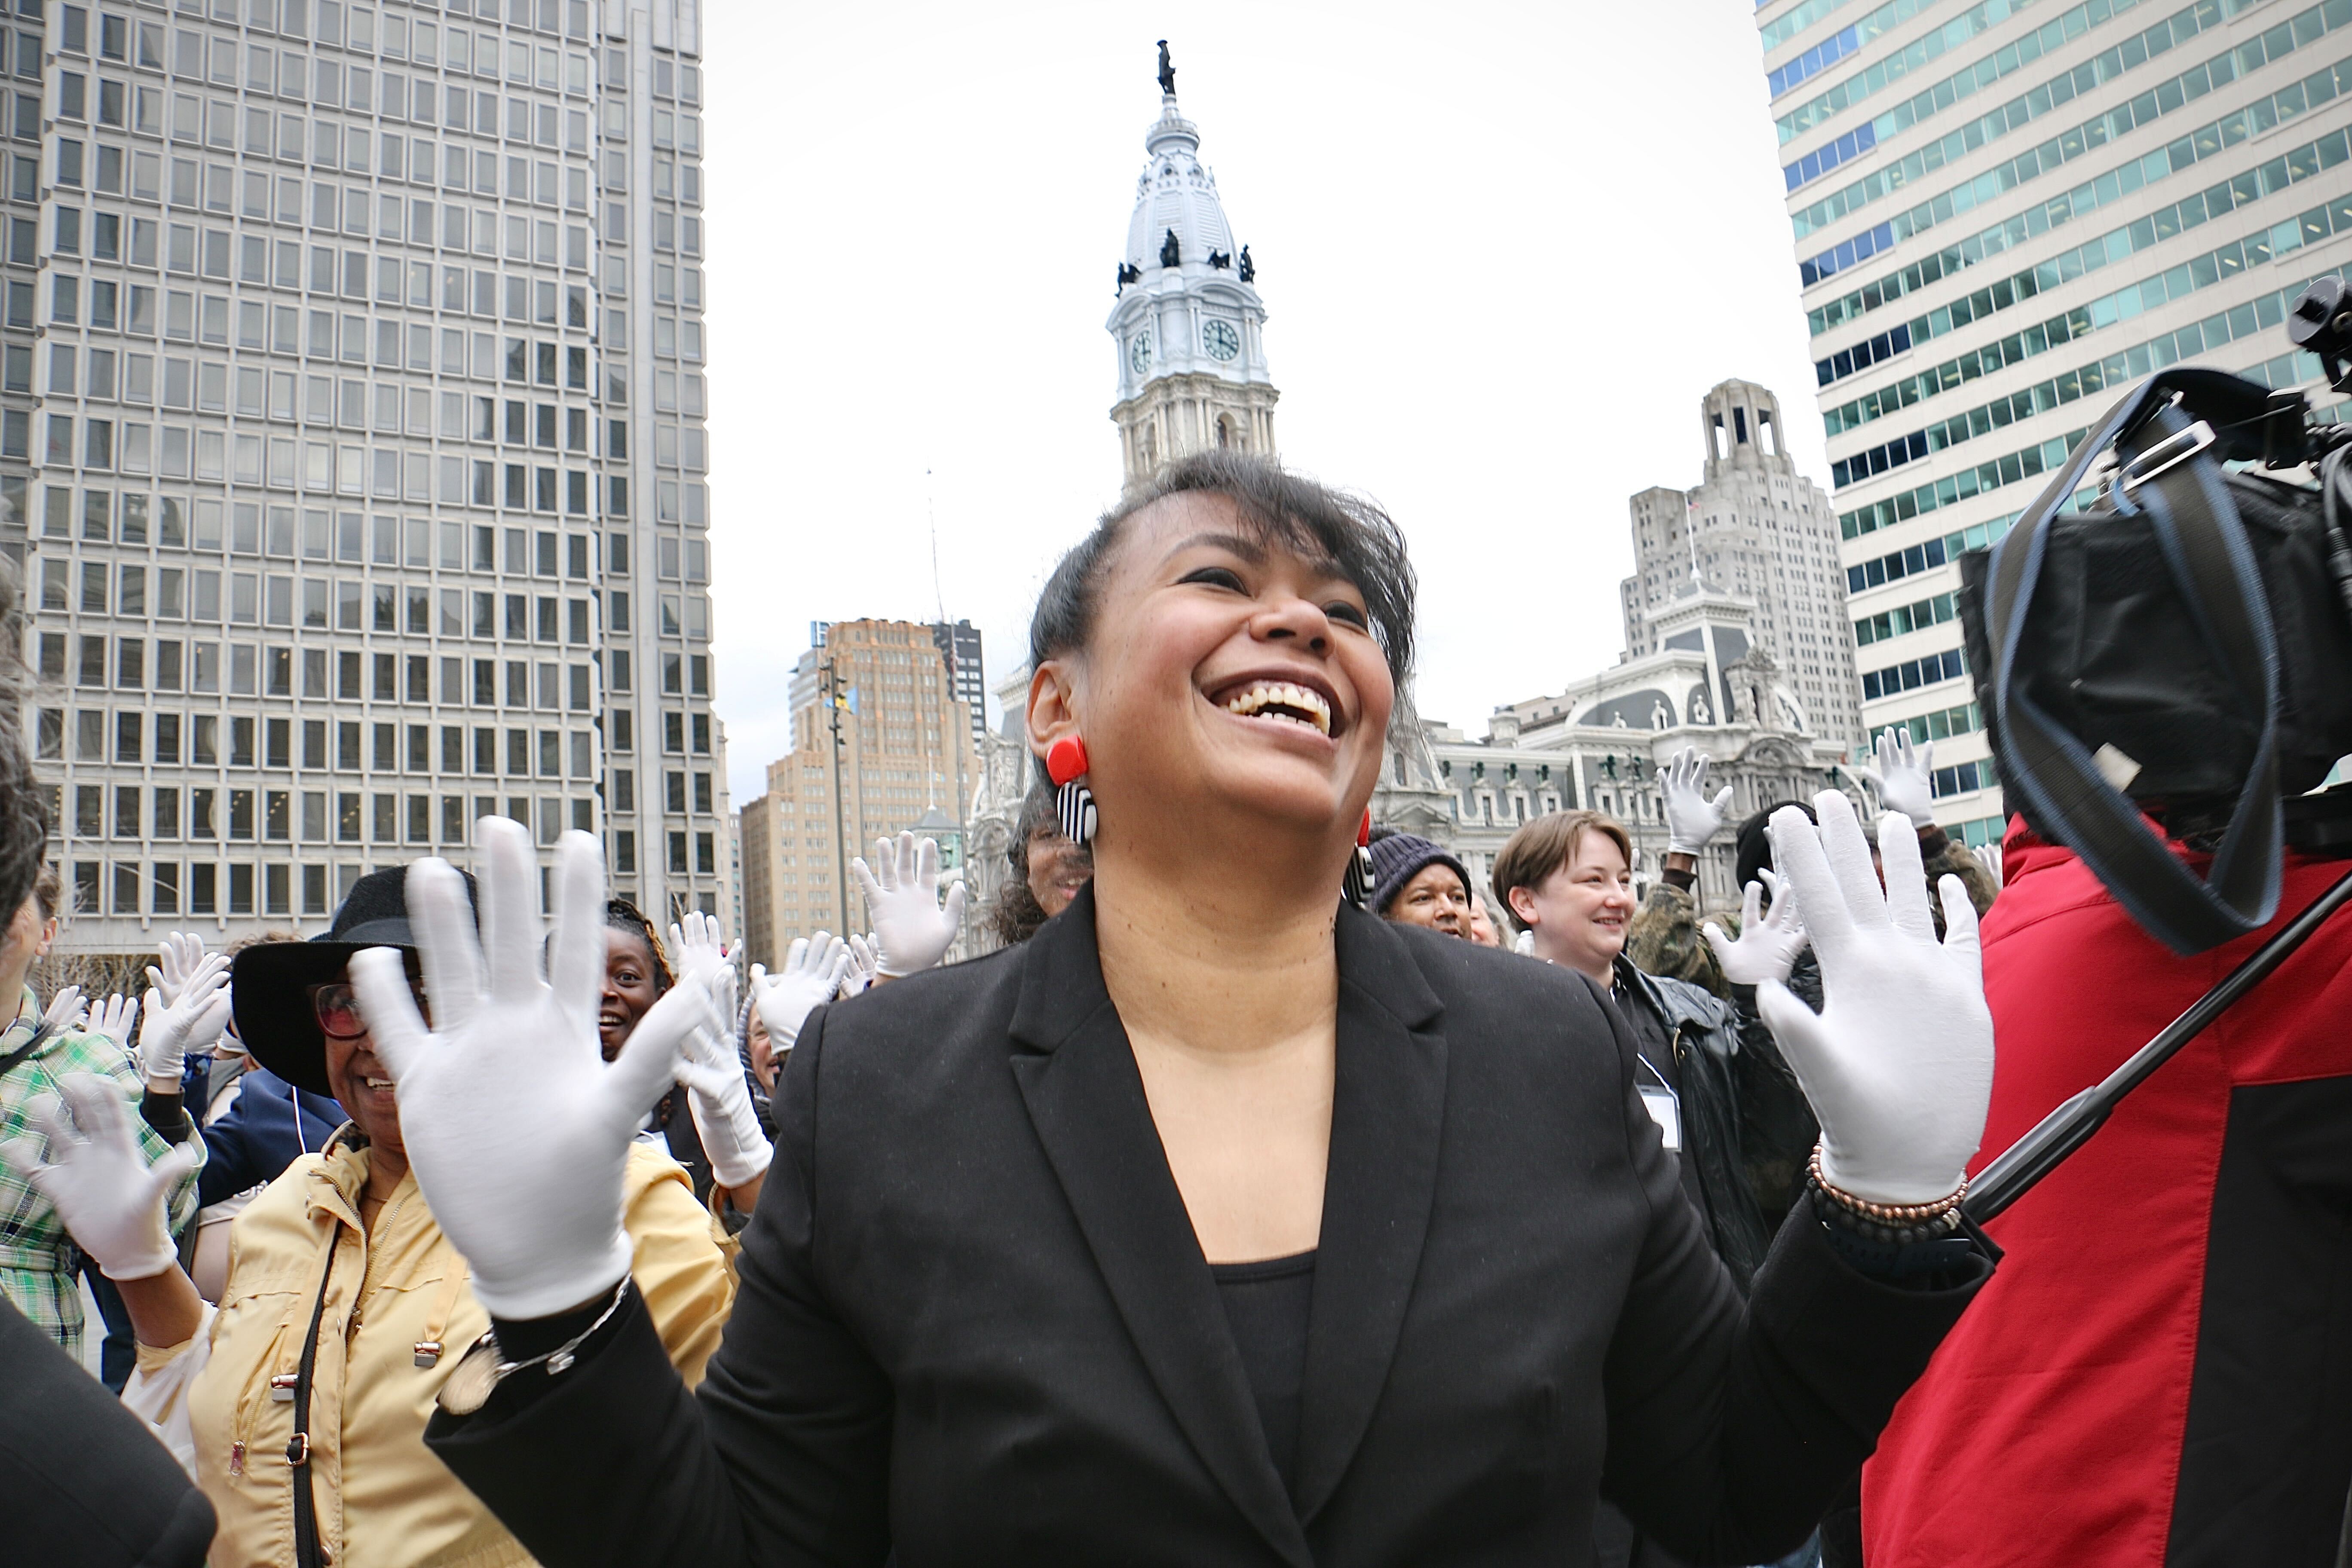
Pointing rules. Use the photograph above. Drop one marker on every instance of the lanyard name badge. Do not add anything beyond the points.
(1666, 1107)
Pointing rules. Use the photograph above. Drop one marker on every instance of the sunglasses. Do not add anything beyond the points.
(337, 1008)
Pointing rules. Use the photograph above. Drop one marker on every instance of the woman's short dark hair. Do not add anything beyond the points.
(1357, 536)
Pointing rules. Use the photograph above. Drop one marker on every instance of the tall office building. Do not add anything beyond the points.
(1757, 527)
(2006, 213)
(352, 426)
(1188, 328)
(958, 646)
(904, 750)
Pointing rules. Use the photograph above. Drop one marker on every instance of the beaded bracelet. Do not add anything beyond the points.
(1893, 1215)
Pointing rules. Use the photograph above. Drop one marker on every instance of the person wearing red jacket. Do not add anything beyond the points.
(2157, 1376)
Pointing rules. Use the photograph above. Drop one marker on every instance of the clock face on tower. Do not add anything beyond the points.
(1139, 352)
(1220, 340)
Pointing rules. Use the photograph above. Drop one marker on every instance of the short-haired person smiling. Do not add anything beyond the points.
(1220, 1222)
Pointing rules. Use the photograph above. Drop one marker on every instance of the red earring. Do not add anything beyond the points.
(1074, 803)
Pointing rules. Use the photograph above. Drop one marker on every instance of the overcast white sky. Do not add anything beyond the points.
(1505, 249)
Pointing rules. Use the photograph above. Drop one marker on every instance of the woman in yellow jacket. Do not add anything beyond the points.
(300, 1404)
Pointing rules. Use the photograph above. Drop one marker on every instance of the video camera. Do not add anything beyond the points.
(2158, 636)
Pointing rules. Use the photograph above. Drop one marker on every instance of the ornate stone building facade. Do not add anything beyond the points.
(1599, 745)
(1756, 527)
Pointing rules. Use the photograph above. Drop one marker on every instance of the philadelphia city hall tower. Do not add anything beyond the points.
(1189, 327)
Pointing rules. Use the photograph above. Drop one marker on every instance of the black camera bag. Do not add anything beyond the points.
(2180, 643)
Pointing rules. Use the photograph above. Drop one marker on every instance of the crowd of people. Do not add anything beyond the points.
(1577, 1217)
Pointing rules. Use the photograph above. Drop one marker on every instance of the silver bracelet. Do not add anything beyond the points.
(484, 1365)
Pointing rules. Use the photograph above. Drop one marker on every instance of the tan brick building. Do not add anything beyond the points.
(904, 749)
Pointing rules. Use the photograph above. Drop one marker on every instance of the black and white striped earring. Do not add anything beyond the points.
(1356, 883)
(1074, 803)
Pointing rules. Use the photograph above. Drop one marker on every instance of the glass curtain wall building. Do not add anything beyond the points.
(355, 445)
(2006, 213)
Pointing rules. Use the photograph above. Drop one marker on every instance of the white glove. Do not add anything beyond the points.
(697, 947)
(1901, 777)
(1898, 1063)
(1988, 857)
(903, 898)
(1769, 943)
(814, 969)
(64, 1014)
(864, 963)
(518, 1128)
(1691, 818)
(1524, 945)
(180, 954)
(112, 1202)
(721, 1103)
(192, 1023)
(114, 1019)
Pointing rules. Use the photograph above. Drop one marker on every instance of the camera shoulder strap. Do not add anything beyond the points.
(2180, 493)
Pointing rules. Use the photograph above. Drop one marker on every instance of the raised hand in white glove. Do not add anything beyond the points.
(1769, 943)
(1988, 857)
(1901, 777)
(64, 1014)
(177, 955)
(864, 963)
(115, 1018)
(903, 898)
(1898, 1063)
(97, 1179)
(1691, 818)
(814, 969)
(721, 1102)
(518, 1128)
(697, 947)
(194, 1022)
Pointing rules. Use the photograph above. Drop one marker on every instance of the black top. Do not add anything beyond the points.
(1267, 1304)
(974, 1326)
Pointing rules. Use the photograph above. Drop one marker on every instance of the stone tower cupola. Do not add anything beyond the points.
(1188, 329)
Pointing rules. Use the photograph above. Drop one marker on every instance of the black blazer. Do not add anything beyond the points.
(974, 1325)
(83, 1482)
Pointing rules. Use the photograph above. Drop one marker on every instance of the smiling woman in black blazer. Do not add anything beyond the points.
(1220, 1222)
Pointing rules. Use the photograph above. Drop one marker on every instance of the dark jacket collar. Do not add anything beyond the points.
(1077, 1076)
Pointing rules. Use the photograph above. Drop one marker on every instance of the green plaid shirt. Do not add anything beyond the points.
(37, 1258)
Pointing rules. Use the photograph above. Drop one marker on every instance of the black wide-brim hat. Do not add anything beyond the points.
(271, 983)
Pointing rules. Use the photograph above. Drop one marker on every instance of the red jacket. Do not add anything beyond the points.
(2160, 1372)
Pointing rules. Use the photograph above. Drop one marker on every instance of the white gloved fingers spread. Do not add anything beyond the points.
(507, 882)
(1907, 876)
(448, 945)
(1854, 875)
(1803, 867)
(575, 959)
(396, 1030)
(64, 1010)
(1961, 938)
(97, 1178)
(1751, 906)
